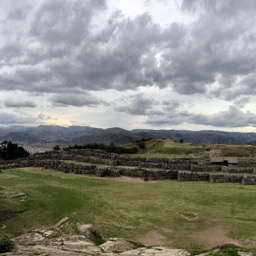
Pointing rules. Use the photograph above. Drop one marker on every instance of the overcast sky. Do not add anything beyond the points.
(157, 64)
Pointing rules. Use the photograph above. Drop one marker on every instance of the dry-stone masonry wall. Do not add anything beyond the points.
(100, 164)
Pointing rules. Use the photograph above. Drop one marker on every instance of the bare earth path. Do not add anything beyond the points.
(213, 236)
(126, 179)
(153, 238)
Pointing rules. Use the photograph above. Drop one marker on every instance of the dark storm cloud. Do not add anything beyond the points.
(118, 57)
(230, 118)
(11, 103)
(171, 105)
(66, 47)
(225, 9)
(61, 48)
(169, 117)
(138, 105)
(63, 21)
(221, 46)
(241, 102)
(49, 39)
(233, 117)
(75, 100)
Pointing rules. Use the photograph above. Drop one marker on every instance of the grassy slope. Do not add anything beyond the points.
(128, 210)
(157, 148)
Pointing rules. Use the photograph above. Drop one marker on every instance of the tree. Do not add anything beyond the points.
(56, 148)
(10, 151)
(142, 144)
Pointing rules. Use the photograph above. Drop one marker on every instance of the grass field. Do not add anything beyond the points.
(159, 148)
(183, 213)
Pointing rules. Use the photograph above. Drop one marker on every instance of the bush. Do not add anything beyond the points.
(6, 245)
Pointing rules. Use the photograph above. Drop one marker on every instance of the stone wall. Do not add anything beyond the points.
(192, 176)
(225, 178)
(116, 160)
(249, 180)
(155, 169)
(232, 169)
(206, 168)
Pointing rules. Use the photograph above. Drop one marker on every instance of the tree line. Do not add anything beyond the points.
(112, 148)
(11, 151)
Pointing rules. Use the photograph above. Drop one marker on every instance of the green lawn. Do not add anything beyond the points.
(117, 209)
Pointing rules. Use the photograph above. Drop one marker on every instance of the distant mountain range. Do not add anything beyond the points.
(44, 135)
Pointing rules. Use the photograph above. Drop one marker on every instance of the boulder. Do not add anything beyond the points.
(88, 231)
(117, 245)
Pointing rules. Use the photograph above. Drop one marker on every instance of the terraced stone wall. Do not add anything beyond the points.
(181, 170)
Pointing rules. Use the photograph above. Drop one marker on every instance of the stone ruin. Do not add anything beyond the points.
(103, 164)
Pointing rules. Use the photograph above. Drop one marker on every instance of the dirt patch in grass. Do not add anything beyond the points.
(169, 143)
(125, 179)
(213, 236)
(153, 238)
(133, 180)
(139, 197)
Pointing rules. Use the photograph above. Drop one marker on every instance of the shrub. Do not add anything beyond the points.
(6, 245)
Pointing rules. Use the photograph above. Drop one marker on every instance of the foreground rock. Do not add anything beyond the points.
(55, 242)
(89, 231)
(156, 251)
(37, 243)
(117, 245)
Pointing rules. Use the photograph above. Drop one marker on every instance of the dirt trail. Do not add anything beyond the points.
(153, 238)
(126, 179)
(213, 236)
(169, 143)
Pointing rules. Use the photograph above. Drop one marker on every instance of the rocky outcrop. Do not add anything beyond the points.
(56, 242)
(117, 245)
(8, 196)
(88, 231)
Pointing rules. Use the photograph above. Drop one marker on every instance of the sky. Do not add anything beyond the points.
(144, 64)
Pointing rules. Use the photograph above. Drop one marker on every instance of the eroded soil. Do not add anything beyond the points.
(213, 236)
